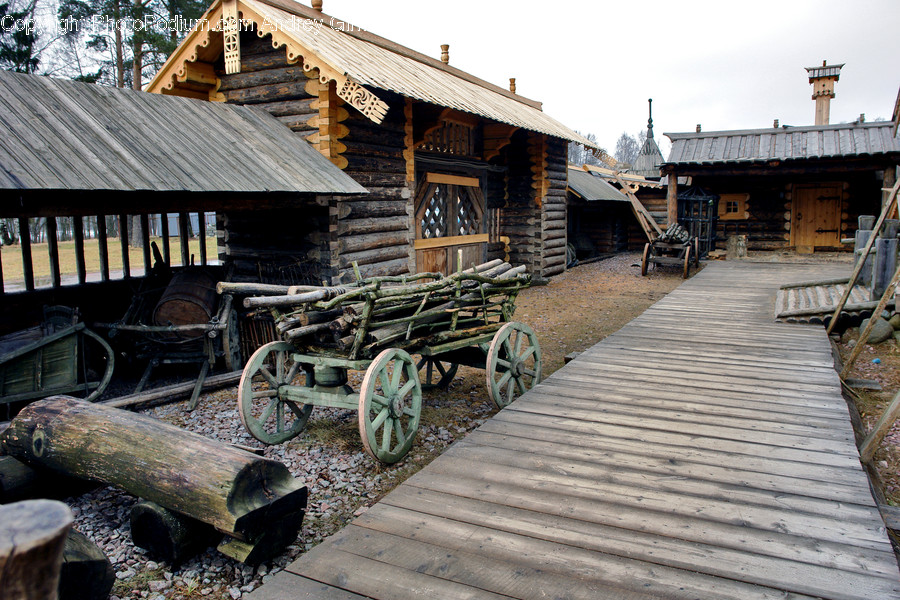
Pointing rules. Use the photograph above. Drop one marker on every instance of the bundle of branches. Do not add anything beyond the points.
(359, 320)
(675, 234)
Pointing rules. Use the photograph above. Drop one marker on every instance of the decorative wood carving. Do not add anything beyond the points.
(496, 137)
(409, 146)
(231, 36)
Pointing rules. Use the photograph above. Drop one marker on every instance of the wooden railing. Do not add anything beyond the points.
(73, 250)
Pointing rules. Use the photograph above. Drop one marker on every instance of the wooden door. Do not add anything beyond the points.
(449, 223)
(816, 217)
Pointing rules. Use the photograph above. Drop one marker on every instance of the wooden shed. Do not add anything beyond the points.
(600, 215)
(788, 187)
(454, 165)
(89, 158)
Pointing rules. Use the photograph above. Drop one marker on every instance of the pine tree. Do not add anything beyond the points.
(18, 44)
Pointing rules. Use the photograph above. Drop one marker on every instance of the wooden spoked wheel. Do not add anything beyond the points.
(513, 363)
(436, 373)
(231, 344)
(687, 260)
(645, 262)
(109, 355)
(266, 414)
(390, 406)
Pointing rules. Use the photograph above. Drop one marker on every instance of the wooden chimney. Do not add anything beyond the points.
(823, 79)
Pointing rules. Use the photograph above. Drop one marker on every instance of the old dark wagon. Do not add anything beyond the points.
(675, 247)
(178, 318)
(376, 326)
(56, 357)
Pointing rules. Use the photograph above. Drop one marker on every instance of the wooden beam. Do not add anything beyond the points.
(78, 234)
(644, 218)
(103, 247)
(672, 200)
(25, 243)
(53, 252)
(888, 209)
(1, 270)
(452, 179)
(873, 439)
(455, 240)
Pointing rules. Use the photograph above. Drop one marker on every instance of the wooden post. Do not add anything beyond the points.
(873, 438)
(86, 573)
(183, 238)
(201, 235)
(864, 334)
(235, 491)
(123, 244)
(1, 271)
(164, 232)
(672, 200)
(145, 243)
(861, 260)
(78, 234)
(53, 252)
(885, 264)
(167, 535)
(104, 247)
(25, 243)
(32, 539)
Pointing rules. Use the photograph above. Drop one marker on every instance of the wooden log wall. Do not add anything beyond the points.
(372, 230)
(599, 227)
(520, 218)
(553, 237)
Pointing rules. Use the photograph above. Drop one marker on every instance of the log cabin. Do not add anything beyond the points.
(600, 216)
(94, 158)
(456, 168)
(787, 187)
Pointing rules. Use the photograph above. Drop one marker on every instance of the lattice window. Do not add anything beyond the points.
(434, 220)
(446, 210)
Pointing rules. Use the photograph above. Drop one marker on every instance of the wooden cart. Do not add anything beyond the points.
(674, 247)
(375, 327)
(178, 319)
(53, 358)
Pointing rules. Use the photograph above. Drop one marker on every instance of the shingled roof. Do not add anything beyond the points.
(356, 58)
(785, 144)
(592, 188)
(62, 135)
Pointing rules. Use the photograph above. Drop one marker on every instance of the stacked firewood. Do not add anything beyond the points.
(675, 234)
(380, 312)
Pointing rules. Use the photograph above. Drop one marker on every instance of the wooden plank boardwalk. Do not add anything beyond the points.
(703, 451)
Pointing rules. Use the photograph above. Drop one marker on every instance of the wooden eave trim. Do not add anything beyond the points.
(847, 164)
(187, 51)
(350, 91)
(303, 11)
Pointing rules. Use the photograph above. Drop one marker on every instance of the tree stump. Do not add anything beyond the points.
(86, 572)
(236, 492)
(32, 538)
(167, 535)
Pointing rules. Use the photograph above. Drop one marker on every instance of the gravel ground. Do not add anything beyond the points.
(571, 313)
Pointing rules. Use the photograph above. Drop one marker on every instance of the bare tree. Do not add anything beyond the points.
(627, 149)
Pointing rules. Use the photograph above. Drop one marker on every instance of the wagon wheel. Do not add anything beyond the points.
(390, 405)
(231, 344)
(687, 261)
(646, 260)
(436, 373)
(262, 407)
(110, 364)
(513, 363)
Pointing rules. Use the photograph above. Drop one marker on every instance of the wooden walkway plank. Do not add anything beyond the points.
(702, 451)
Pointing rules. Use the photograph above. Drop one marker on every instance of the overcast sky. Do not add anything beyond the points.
(723, 64)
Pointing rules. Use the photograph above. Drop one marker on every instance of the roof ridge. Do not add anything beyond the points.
(301, 10)
(783, 129)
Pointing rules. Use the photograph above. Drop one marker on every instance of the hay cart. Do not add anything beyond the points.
(375, 326)
(675, 247)
(53, 358)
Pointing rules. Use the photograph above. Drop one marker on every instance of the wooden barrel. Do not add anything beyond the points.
(190, 298)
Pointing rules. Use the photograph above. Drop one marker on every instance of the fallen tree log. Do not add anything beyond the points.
(19, 482)
(235, 491)
(32, 538)
(172, 393)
